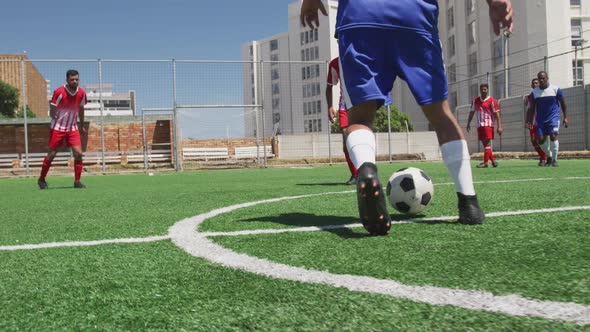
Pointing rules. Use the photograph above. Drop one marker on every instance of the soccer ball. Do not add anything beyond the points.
(410, 190)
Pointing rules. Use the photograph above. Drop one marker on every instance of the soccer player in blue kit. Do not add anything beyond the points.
(546, 100)
(378, 41)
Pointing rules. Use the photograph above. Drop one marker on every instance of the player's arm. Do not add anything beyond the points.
(501, 15)
(496, 107)
(529, 112)
(52, 112)
(81, 116)
(471, 113)
(331, 113)
(566, 121)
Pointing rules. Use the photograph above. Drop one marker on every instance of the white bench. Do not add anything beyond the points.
(36, 159)
(160, 156)
(7, 159)
(250, 152)
(95, 157)
(204, 153)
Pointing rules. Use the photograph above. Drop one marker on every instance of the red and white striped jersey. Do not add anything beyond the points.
(485, 111)
(67, 107)
(334, 78)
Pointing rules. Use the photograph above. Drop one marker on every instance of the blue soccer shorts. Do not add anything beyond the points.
(548, 128)
(372, 58)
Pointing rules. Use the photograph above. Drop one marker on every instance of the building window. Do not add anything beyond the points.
(450, 18)
(275, 89)
(302, 37)
(317, 52)
(473, 64)
(451, 45)
(276, 102)
(317, 70)
(498, 50)
(474, 90)
(576, 28)
(578, 71)
(309, 128)
(276, 118)
(315, 33)
(452, 73)
(471, 33)
(499, 86)
(319, 106)
(302, 73)
(575, 3)
(302, 55)
(307, 54)
(274, 74)
(274, 58)
(251, 50)
(274, 45)
(469, 6)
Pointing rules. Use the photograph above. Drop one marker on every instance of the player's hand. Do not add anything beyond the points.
(468, 128)
(500, 131)
(501, 15)
(331, 114)
(309, 13)
(566, 122)
(83, 131)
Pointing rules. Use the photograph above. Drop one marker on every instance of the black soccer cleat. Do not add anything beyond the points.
(494, 164)
(79, 185)
(482, 165)
(42, 184)
(371, 201)
(351, 181)
(542, 162)
(555, 163)
(469, 211)
(549, 162)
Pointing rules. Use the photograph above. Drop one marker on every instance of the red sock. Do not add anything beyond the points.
(45, 169)
(540, 151)
(486, 154)
(492, 155)
(78, 170)
(351, 167)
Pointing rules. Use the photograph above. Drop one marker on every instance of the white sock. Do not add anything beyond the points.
(545, 147)
(361, 147)
(456, 156)
(554, 149)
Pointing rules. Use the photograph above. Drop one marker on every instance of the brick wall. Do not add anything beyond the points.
(231, 143)
(119, 136)
(10, 72)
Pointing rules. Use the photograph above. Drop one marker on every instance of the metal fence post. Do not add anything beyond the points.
(178, 163)
(144, 139)
(262, 111)
(389, 132)
(102, 140)
(24, 107)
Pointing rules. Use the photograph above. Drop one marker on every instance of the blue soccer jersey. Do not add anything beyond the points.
(417, 15)
(546, 104)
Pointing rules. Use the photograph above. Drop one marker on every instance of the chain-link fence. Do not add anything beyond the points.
(174, 115)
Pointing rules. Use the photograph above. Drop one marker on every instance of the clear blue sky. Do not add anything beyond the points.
(135, 29)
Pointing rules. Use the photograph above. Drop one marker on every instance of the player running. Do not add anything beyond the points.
(487, 108)
(333, 79)
(533, 131)
(67, 105)
(547, 100)
(379, 41)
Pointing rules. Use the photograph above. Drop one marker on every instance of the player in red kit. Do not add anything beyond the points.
(487, 109)
(533, 131)
(333, 79)
(67, 106)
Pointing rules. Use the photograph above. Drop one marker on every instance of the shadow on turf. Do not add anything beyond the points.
(307, 220)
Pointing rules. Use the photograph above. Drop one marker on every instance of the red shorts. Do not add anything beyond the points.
(343, 118)
(533, 132)
(485, 133)
(57, 137)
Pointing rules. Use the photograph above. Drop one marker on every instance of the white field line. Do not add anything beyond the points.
(406, 221)
(185, 235)
(82, 243)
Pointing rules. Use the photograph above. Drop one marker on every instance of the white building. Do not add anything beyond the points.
(473, 55)
(114, 104)
(291, 92)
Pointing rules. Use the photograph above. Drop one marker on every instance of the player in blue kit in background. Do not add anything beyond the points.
(546, 100)
(380, 40)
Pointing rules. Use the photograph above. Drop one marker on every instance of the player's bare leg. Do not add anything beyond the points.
(361, 146)
(544, 144)
(78, 166)
(456, 157)
(45, 168)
